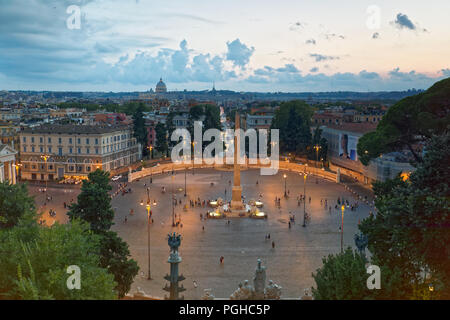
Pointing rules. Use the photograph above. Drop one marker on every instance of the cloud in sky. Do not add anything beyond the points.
(128, 45)
(239, 53)
(403, 22)
(321, 57)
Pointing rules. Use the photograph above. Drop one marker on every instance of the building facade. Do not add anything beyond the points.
(342, 152)
(8, 166)
(51, 152)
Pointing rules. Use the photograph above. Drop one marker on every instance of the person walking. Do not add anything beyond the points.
(273, 244)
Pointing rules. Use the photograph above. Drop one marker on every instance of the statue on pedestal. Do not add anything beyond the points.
(273, 291)
(259, 282)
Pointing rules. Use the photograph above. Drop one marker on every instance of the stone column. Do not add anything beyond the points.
(9, 172)
(2, 172)
(13, 172)
(236, 200)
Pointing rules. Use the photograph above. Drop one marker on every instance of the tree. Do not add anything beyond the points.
(410, 121)
(318, 140)
(94, 202)
(342, 277)
(139, 129)
(15, 204)
(94, 207)
(293, 118)
(114, 256)
(410, 230)
(161, 138)
(35, 260)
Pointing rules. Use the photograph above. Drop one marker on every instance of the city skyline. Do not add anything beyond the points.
(260, 47)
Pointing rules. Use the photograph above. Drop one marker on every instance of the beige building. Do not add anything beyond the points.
(52, 152)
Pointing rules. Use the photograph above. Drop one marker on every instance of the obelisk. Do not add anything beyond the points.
(236, 200)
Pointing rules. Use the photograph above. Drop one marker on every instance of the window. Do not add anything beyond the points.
(87, 150)
(24, 139)
(79, 150)
(79, 141)
(71, 168)
(88, 168)
(50, 167)
(96, 140)
(49, 140)
(24, 148)
(41, 149)
(60, 151)
(59, 140)
(70, 140)
(70, 150)
(87, 140)
(49, 149)
(32, 139)
(32, 149)
(96, 150)
(41, 140)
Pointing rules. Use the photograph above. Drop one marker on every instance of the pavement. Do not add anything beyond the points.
(297, 253)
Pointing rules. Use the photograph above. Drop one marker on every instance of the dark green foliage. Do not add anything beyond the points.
(161, 138)
(139, 129)
(409, 121)
(411, 229)
(15, 204)
(342, 277)
(293, 120)
(34, 263)
(114, 255)
(317, 140)
(94, 202)
(94, 207)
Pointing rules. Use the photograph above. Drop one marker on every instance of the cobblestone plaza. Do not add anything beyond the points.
(298, 250)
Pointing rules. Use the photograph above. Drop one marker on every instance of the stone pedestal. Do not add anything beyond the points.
(236, 199)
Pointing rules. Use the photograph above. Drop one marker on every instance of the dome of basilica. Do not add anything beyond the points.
(161, 87)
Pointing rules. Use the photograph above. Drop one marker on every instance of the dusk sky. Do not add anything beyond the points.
(246, 45)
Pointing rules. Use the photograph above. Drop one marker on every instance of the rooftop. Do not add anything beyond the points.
(75, 129)
(363, 127)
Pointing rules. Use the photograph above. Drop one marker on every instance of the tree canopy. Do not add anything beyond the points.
(15, 204)
(293, 118)
(408, 122)
(139, 129)
(94, 207)
(35, 259)
(410, 233)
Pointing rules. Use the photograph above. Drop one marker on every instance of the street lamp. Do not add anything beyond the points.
(185, 176)
(317, 147)
(173, 208)
(149, 214)
(304, 199)
(193, 158)
(285, 194)
(151, 152)
(342, 229)
(45, 157)
(431, 288)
